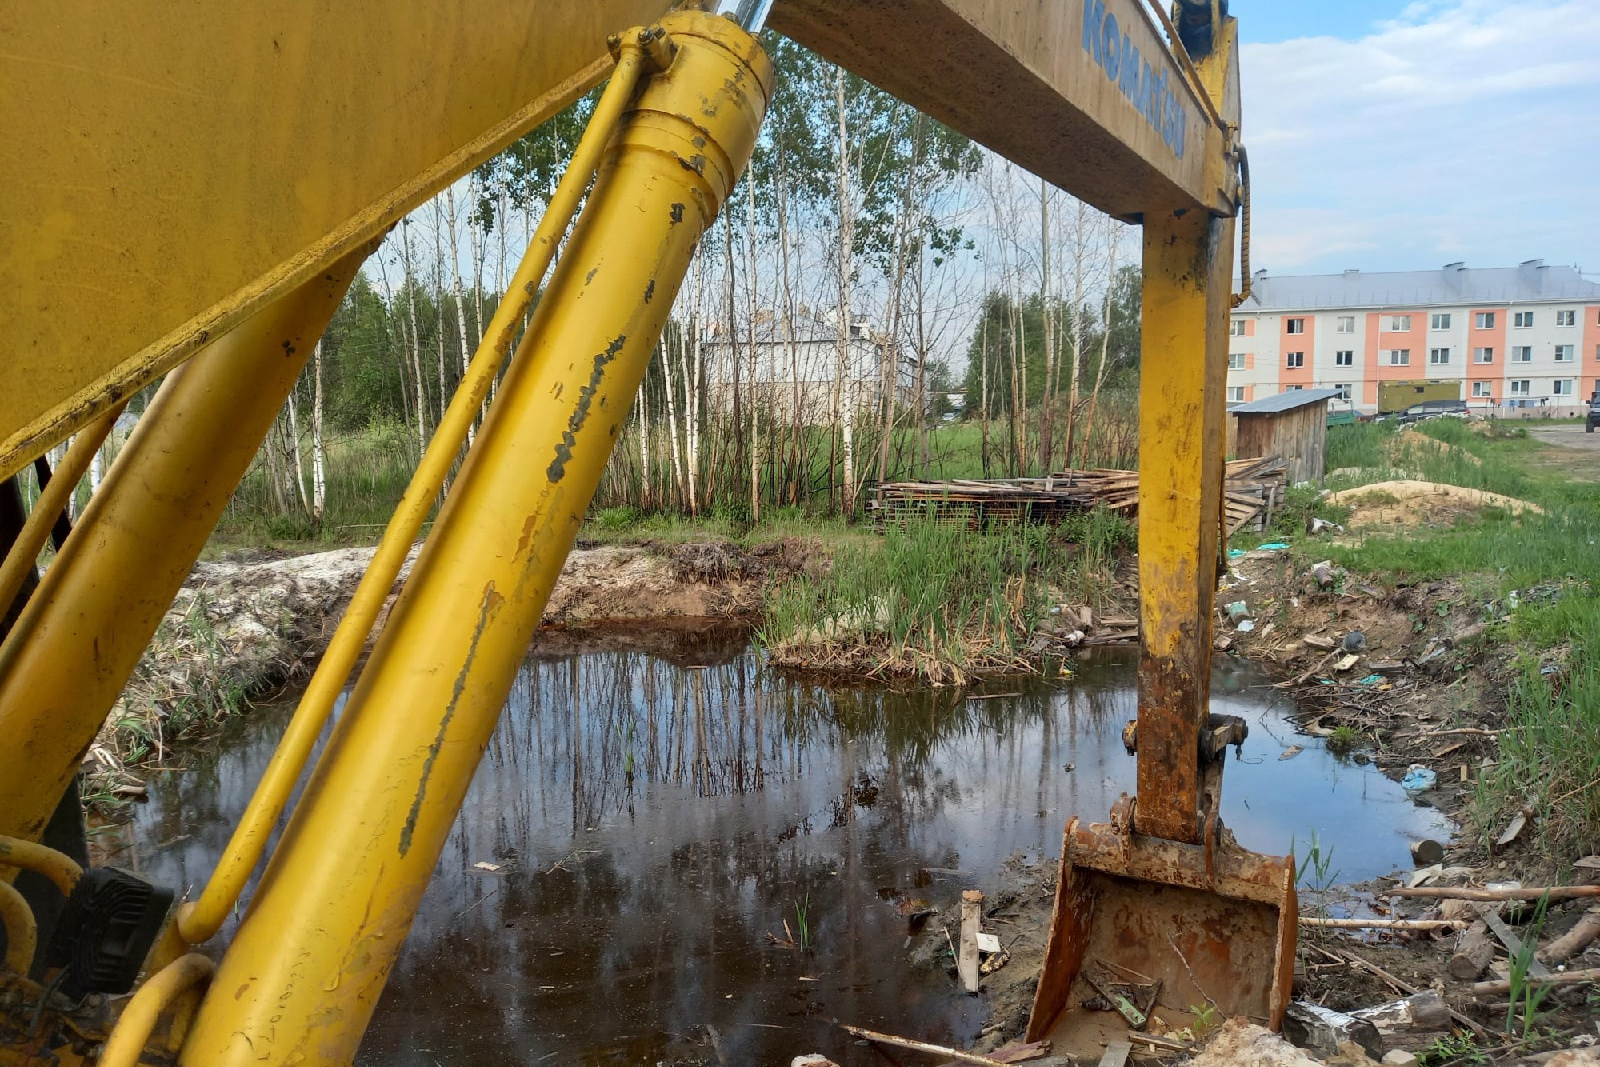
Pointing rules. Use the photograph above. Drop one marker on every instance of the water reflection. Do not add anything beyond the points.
(643, 819)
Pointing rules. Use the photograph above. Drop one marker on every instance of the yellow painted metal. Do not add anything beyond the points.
(333, 906)
(62, 870)
(154, 163)
(1188, 263)
(67, 658)
(24, 552)
(158, 994)
(200, 919)
(1030, 80)
(21, 934)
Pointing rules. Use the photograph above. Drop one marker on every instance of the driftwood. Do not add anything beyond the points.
(971, 921)
(1574, 940)
(1489, 989)
(1383, 924)
(1559, 892)
(1034, 1050)
(922, 1046)
(1420, 1011)
(1474, 951)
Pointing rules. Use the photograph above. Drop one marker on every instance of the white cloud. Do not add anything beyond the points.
(1462, 129)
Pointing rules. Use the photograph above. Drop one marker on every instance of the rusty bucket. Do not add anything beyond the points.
(1154, 933)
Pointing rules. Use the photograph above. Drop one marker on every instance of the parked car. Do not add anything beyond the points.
(1591, 420)
(1430, 409)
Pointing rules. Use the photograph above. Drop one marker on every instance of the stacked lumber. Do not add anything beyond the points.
(1254, 490)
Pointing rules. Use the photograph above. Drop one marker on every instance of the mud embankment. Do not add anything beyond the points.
(246, 626)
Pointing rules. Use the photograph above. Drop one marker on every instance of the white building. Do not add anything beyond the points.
(1511, 338)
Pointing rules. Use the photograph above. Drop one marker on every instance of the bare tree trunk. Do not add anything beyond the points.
(1080, 251)
(983, 379)
(294, 452)
(690, 350)
(410, 282)
(672, 422)
(1105, 340)
(438, 303)
(847, 236)
(750, 327)
(642, 403)
(461, 304)
(1047, 400)
(797, 470)
(319, 480)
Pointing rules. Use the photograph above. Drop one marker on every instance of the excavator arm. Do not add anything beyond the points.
(190, 192)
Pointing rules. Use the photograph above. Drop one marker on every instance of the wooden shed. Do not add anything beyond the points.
(1292, 426)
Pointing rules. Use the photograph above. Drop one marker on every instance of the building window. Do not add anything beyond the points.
(1235, 394)
(1439, 321)
(1399, 357)
(1484, 320)
(1519, 387)
(1236, 361)
(1521, 354)
(1482, 389)
(1347, 324)
(1566, 353)
(1345, 358)
(1399, 323)
(1566, 318)
(1522, 319)
(1438, 356)
(1294, 325)
(1483, 355)
(1236, 328)
(1563, 387)
(1294, 360)
(1345, 390)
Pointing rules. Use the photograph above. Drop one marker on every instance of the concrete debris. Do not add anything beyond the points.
(1239, 1043)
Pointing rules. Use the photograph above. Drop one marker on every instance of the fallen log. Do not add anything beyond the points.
(1558, 892)
(1420, 1011)
(1501, 986)
(1474, 952)
(1384, 924)
(1574, 940)
(921, 1046)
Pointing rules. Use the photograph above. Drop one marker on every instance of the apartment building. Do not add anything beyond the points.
(1517, 340)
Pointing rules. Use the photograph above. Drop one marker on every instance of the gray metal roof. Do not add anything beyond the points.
(1287, 401)
(1453, 285)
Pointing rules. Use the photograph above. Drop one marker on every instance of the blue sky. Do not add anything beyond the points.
(1402, 136)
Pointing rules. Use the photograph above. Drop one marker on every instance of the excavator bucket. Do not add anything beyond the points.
(1154, 935)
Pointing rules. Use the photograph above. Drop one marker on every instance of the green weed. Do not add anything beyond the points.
(1525, 996)
(802, 922)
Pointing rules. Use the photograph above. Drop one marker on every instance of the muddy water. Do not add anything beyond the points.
(656, 803)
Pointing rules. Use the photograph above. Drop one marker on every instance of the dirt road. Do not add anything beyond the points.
(1567, 437)
(1575, 453)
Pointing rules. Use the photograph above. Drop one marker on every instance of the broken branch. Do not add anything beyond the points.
(1558, 892)
(921, 1046)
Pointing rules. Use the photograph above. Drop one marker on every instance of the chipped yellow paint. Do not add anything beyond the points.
(335, 902)
(70, 653)
(1188, 264)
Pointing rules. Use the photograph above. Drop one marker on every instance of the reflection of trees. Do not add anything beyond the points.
(602, 726)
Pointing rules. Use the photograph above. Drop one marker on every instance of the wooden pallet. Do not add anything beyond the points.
(1254, 492)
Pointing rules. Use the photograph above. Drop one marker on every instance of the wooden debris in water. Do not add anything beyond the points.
(971, 921)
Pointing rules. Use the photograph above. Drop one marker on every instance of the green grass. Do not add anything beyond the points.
(1538, 574)
(939, 602)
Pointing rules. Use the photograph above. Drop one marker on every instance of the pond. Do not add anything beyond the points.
(659, 815)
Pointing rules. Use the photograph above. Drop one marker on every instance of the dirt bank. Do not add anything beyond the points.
(244, 626)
